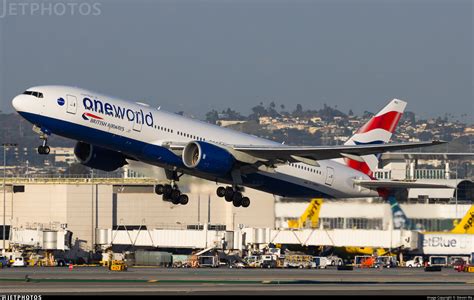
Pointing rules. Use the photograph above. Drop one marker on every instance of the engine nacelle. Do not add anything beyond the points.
(99, 158)
(208, 158)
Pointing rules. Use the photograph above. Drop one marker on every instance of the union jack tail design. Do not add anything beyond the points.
(378, 130)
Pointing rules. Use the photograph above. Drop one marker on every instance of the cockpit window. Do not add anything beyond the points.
(32, 93)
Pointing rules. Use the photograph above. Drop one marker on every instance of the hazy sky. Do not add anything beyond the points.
(199, 55)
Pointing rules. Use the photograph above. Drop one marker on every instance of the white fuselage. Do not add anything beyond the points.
(129, 127)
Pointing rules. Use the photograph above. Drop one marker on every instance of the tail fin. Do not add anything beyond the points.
(378, 130)
(466, 225)
(400, 220)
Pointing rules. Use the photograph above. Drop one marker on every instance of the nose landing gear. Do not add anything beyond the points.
(44, 148)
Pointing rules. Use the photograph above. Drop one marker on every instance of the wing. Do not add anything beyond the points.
(292, 153)
(274, 154)
(394, 184)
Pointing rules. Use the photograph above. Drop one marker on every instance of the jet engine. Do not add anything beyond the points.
(208, 158)
(99, 158)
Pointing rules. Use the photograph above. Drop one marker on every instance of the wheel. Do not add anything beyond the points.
(237, 202)
(221, 191)
(167, 189)
(245, 202)
(159, 189)
(175, 194)
(229, 193)
(40, 150)
(46, 150)
(183, 199)
(410, 266)
(175, 201)
(237, 197)
(166, 197)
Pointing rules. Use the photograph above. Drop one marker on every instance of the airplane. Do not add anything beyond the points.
(109, 131)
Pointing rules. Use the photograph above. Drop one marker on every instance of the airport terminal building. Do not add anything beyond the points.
(93, 214)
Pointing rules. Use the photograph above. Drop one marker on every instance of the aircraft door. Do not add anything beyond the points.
(71, 104)
(329, 175)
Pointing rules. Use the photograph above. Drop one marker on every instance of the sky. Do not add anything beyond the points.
(195, 56)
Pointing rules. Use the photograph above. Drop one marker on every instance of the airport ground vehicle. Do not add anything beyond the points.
(118, 265)
(252, 261)
(435, 260)
(441, 261)
(334, 260)
(268, 261)
(319, 262)
(238, 265)
(4, 262)
(62, 262)
(364, 261)
(463, 266)
(19, 262)
(459, 265)
(416, 262)
(456, 260)
(208, 261)
(298, 261)
(385, 262)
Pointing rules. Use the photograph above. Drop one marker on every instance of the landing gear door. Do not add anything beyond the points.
(329, 175)
(71, 104)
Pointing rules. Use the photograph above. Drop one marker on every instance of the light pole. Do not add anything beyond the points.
(5, 146)
(455, 189)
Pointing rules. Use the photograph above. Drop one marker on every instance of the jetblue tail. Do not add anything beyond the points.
(378, 130)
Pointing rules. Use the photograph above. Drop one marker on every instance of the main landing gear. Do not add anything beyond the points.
(171, 193)
(233, 195)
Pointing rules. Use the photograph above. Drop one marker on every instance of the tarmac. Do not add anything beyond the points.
(224, 281)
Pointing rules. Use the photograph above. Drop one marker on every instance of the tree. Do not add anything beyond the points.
(232, 114)
(258, 111)
(299, 110)
(272, 111)
(212, 116)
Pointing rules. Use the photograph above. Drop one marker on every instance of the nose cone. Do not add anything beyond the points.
(17, 102)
